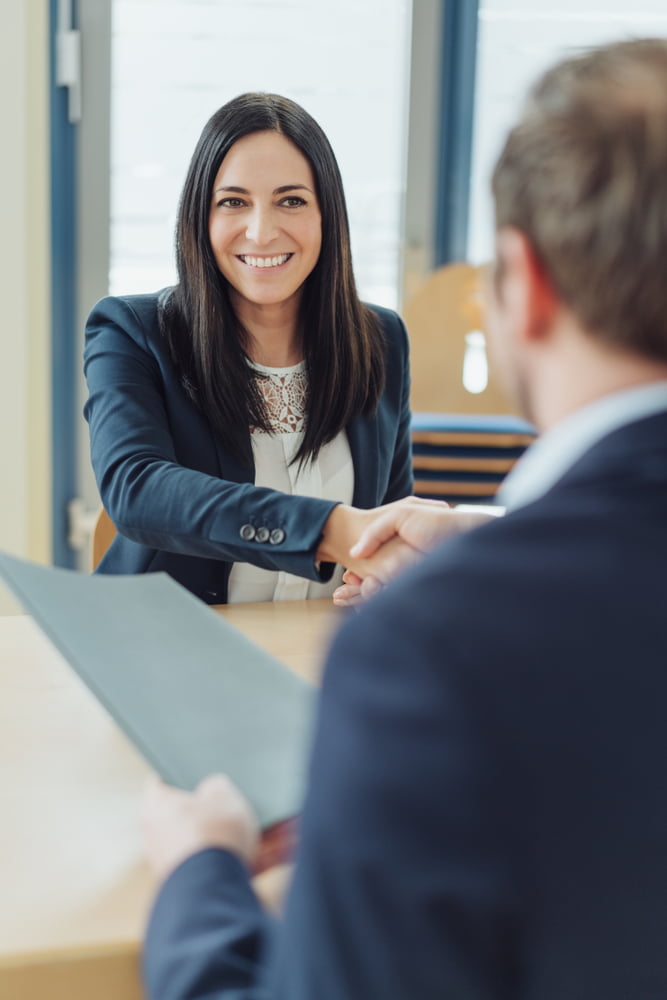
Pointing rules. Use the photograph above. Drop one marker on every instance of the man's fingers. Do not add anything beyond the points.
(423, 501)
(370, 586)
(215, 784)
(348, 594)
(391, 560)
(388, 524)
(379, 532)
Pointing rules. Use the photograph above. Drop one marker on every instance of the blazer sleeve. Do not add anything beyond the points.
(150, 494)
(207, 933)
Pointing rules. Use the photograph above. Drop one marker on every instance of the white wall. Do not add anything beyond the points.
(25, 404)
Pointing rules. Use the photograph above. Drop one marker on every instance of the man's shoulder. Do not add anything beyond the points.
(497, 590)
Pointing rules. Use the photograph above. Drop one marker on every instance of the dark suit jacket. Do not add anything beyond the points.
(487, 813)
(152, 450)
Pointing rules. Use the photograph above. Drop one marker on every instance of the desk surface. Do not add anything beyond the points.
(74, 890)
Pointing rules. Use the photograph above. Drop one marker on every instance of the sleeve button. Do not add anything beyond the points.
(277, 536)
(262, 535)
(247, 532)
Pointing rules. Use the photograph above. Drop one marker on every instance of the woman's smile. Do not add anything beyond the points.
(265, 262)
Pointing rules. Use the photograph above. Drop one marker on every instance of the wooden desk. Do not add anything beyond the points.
(74, 891)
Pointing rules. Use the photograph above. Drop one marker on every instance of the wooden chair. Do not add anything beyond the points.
(103, 535)
(463, 458)
(464, 442)
(439, 315)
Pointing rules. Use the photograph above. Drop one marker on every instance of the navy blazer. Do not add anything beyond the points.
(487, 808)
(177, 497)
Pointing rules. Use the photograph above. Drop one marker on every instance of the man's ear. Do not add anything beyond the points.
(523, 286)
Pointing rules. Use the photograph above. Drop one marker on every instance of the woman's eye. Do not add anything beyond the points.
(293, 201)
(230, 203)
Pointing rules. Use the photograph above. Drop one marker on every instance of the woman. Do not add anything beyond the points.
(236, 417)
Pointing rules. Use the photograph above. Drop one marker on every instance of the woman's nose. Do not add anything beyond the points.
(261, 228)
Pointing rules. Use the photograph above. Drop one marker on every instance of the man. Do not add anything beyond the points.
(487, 813)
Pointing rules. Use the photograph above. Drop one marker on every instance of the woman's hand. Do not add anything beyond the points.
(349, 593)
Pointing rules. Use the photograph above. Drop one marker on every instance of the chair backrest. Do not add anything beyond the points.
(441, 313)
(463, 458)
(104, 532)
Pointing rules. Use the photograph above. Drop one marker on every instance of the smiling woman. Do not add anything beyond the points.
(245, 422)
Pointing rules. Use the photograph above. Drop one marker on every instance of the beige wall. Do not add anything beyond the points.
(25, 403)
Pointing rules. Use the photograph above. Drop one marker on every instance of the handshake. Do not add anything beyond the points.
(375, 545)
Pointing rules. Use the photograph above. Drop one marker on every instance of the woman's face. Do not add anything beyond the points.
(265, 225)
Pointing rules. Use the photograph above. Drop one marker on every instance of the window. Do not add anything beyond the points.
(516, 42)
(174, 62)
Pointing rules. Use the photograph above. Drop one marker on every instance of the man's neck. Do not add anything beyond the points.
(580, 369)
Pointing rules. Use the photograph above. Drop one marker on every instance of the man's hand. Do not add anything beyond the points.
(177, 824)
(420, 527)
(399, 536)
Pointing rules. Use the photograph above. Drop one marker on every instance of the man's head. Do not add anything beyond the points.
(583, 180)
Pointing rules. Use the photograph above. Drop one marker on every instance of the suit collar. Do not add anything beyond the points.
(559, 449)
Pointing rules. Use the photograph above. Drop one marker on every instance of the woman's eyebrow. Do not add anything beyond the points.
(292, 187)
(235, 189)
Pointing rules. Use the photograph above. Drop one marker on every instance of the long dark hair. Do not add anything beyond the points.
(342, 338)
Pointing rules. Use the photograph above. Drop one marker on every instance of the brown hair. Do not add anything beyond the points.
(584, 176)
(343, 340)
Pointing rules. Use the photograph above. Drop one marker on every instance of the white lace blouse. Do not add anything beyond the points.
(330, 477)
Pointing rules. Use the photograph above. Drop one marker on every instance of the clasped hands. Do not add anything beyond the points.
(375, 545)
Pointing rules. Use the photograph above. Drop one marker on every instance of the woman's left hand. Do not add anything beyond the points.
(349, 594)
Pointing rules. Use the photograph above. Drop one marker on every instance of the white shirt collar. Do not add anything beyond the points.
(555, 451)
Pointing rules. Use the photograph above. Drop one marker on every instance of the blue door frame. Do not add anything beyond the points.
(63, 307)
(457, 108)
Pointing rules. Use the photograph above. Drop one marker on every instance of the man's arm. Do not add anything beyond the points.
(207, 937)
(207, 931)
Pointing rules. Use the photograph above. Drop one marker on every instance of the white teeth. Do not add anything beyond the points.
(265, 261)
